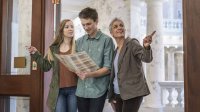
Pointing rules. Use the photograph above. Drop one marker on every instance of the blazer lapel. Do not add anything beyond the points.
(122, 53)
(113, 70)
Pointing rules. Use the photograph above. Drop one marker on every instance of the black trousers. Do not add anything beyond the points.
(91, 104)
(130, 105)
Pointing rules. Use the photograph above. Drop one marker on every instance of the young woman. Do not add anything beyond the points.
(61, 96)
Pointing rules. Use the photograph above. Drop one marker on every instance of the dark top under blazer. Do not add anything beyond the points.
(131, 79)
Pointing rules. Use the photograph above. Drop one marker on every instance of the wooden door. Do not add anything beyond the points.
(22, 22)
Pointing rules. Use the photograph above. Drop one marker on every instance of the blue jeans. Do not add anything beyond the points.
(66, 101)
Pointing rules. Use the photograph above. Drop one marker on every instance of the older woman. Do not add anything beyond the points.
(128, 84)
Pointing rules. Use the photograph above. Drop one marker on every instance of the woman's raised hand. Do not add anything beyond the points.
(31, 49)
(148, 39)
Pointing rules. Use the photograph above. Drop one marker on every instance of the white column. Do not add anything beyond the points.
(171, 64)
(180, 65)
(155, 70)
(136, 19)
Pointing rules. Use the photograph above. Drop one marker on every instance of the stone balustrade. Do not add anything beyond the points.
(170, 26)
(173, 24)
(172, 95)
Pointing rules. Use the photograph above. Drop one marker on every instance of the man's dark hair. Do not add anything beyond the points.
(89, 13)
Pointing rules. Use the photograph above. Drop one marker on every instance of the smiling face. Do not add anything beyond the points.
(117, 29)
(89, 25)
(68, 30)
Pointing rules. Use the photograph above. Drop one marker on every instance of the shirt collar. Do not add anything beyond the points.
(97, 35)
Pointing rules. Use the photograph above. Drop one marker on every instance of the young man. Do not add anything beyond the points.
(92, 86)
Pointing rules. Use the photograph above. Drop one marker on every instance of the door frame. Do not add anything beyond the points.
(191, 26)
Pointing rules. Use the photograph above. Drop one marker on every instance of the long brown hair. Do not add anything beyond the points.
(59, 38)
(59, 34)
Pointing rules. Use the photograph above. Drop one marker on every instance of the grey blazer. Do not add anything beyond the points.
(131, 79)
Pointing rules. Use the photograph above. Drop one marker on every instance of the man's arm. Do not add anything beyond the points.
(97, 73)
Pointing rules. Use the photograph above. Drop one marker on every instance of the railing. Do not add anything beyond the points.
(172, 94)
(173, 26)
(170, 26)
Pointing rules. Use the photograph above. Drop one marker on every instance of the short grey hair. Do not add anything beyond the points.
(111, 23)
